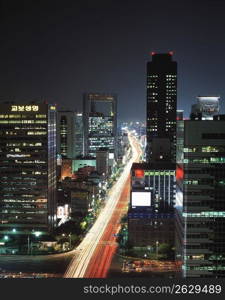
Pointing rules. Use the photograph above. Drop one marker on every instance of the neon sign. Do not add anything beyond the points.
(24, 108)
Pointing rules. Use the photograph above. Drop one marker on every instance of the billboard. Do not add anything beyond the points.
(140, 199)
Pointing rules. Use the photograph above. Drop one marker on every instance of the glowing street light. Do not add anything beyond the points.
(37, 233)
(157, 249)
(29, 243)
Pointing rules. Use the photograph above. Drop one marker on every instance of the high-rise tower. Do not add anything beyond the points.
(161, 108)
(100, 123)
(69, 134)
(27, 167)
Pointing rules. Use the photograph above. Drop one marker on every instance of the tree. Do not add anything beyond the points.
(164, 248)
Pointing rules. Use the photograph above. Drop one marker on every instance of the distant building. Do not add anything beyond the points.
(66, 168)
(66, 134)
(100, 123)
(102, 161)
(69, 134)
(205, 108)
(80, 201)
(180, 136)
(27, 167)
(79, 135)
(83, 161)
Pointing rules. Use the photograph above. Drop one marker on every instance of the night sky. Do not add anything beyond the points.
(58, 50)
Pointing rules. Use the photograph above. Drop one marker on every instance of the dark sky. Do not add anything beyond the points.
(60, 49)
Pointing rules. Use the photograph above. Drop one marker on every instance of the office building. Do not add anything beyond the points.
(205, 108)
(102, 161)
(161, 108)
(79, 135)
(69, 134)
(83, 161)
(100, 124)
(27, 167)
(200, 205)
(151, 216)
(65, 133)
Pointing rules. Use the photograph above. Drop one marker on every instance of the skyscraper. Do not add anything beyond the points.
(69, 134)
(161, 108)
(79, 134)
(203, 198)
(100, 123)
(200, 205)
(27, 167)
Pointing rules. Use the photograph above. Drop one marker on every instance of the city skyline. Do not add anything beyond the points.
(112, 139)
(59, 54)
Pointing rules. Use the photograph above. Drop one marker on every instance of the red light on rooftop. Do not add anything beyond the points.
(152, 53)
(139, 173)
(171, 52)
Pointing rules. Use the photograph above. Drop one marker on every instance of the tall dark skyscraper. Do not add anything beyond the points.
(69, 134)
(158, 175)
(27, 167)
(161, 108)
(66, 134)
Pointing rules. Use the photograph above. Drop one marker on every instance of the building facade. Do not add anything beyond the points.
(27, 167)
(100, 123)
(151, 213)
(202, 226)
(161, 108)
(69, 134)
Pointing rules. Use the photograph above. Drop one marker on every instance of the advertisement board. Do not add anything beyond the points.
(140, 199)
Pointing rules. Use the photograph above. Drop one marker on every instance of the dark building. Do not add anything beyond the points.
(27, 167)
(69, 134)
(161, 108)
(102, 161)
(79, 135)
(151, 216)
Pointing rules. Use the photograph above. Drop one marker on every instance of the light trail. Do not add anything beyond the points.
(87, 247)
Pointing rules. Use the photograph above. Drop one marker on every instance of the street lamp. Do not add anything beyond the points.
(69, 235)
(6, 238)
(157, 249)
(70, 239)
(37, 233)
(29, 243)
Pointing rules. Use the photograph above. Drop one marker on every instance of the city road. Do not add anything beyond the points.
(93, 256)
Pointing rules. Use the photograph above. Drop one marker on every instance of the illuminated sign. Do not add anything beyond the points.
(139, 173)
(141, 199)
(52, 107)
(111, 155)
(179, 173)
(24, 108)
(153, 173)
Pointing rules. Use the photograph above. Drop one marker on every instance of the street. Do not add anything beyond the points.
(92, 258)
(96, 251)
